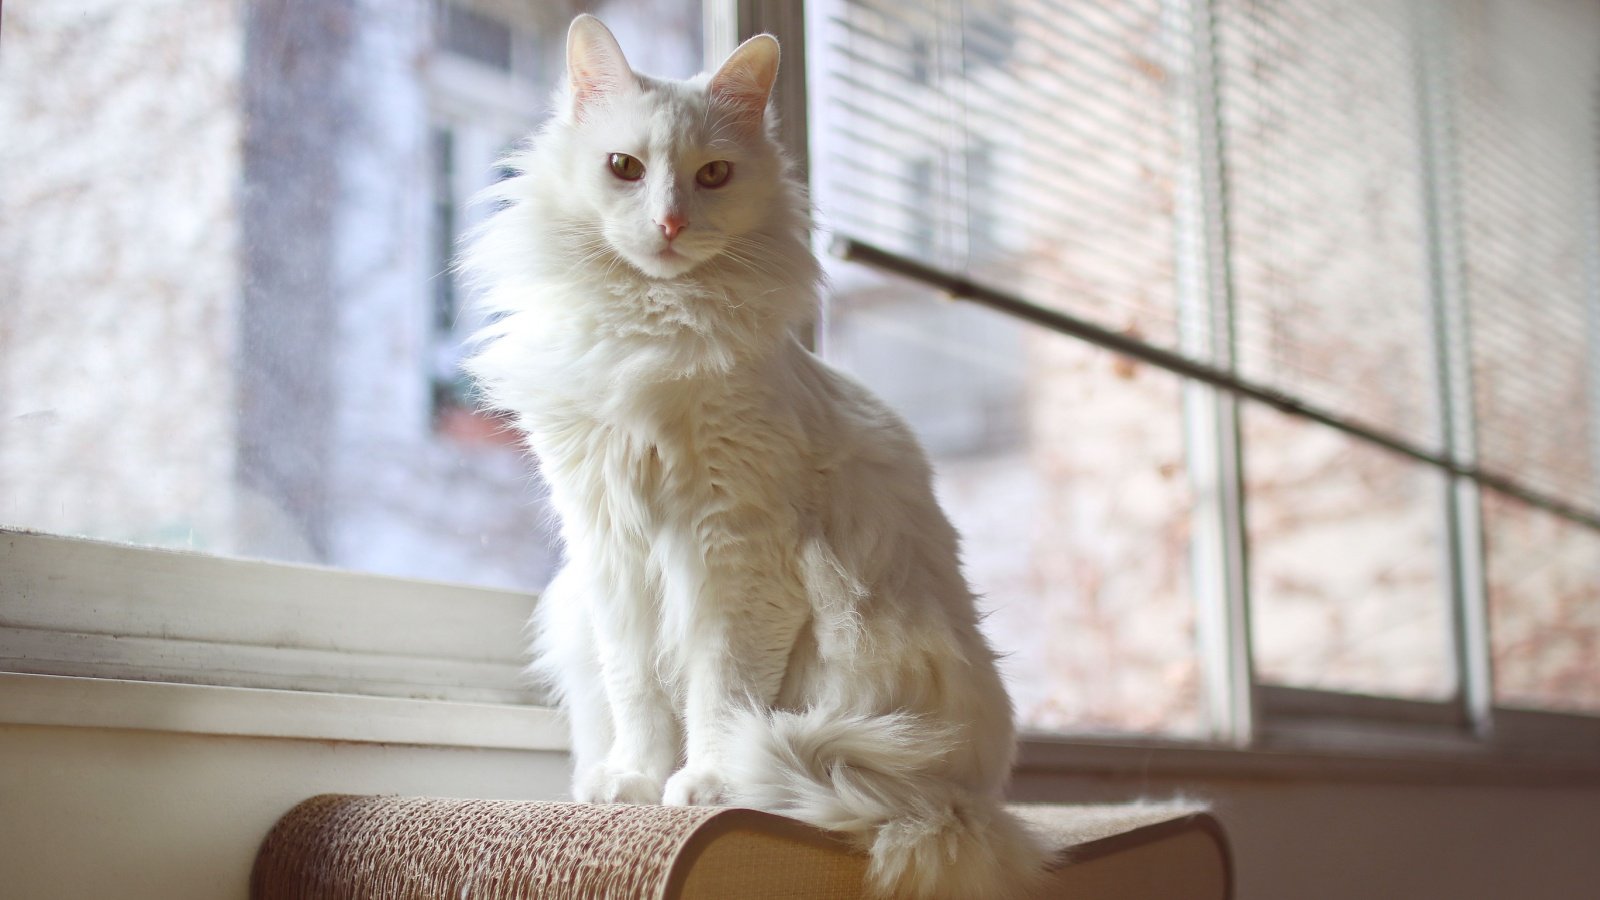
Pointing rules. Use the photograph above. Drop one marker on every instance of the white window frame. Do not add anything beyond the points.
(78, 607)
(85, 625)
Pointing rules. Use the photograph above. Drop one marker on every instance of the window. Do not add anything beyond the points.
(227, 326)
(1280, 402)
(1076, 515)
(1543, 580)
(228, 319)
(1075, 536)
(1349, 253)
(487, 86)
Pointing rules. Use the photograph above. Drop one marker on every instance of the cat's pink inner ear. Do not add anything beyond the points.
(596, 68)
(744, 81)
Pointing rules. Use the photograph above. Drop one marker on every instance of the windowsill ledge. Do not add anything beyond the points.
(1288, 759)
(67, 701)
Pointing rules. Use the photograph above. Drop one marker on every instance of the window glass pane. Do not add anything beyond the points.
(1526, 94)
(1543, 576)
(1063, 468)
(1031, 146)
(1034, 147)
(1346, 550)
(1323, 142)
(226, 318)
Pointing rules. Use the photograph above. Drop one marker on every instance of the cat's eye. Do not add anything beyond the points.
(626, 167)
(714, 174)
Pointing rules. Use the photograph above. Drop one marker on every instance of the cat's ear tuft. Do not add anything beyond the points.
(596, 68)
(745, 80)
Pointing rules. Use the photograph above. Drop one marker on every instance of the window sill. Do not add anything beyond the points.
(117, 637)
(93, 609)
(63, 701)
(1291, 759)
(66, 701)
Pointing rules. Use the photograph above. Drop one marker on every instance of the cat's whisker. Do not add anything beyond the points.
(594, 254)
(737, 253)
(750, 265)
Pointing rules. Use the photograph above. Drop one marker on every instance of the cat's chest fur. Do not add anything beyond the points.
(710, 454)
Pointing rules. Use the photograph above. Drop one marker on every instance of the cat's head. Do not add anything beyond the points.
(668, 175)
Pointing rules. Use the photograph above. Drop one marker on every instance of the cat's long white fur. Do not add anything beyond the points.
(762, 602)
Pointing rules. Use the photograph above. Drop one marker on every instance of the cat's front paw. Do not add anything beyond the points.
(695, 787)
(603, 784)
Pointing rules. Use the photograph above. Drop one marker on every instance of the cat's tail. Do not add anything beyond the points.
(875, 777)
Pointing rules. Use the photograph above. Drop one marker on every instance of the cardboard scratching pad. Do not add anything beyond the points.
(342, 847)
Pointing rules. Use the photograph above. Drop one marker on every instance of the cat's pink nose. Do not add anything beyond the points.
(671, 224)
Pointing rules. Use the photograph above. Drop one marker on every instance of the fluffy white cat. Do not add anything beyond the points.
(762, 602)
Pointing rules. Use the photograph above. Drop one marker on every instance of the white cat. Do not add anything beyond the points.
(762, 603)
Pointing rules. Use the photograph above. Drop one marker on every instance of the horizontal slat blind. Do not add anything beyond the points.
(1526, 79)
(1322, 130)
(1044, 150)
(1031, 146)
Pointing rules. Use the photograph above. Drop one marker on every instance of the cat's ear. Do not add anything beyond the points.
(744, 82)
(596, 68)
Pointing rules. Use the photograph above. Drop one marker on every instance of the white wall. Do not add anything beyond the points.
(145, 815)
(1333, 840)
(94, 812)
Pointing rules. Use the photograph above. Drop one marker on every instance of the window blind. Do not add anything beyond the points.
(1329, 250)
(1525, 99)
(1030, 146)
(1390, 207)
